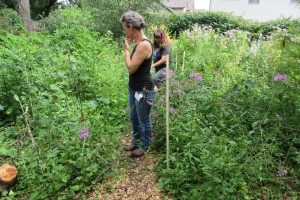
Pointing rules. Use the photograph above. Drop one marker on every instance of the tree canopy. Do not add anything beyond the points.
(39, 9)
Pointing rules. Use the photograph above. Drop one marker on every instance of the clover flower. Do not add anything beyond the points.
(279, 77)
(83, 133)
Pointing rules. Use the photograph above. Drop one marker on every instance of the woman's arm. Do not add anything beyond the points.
(165, 52)
(142, 52)
(161, 61)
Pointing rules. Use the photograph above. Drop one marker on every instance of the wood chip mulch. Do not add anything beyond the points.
(136, 182)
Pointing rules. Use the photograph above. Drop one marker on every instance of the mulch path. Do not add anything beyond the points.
(136, 182)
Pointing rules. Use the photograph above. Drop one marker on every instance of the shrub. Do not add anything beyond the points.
(10, 22)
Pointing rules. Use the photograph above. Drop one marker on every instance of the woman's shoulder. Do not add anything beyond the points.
(166, 47)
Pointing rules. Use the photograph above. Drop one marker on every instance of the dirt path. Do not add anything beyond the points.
(136, 182)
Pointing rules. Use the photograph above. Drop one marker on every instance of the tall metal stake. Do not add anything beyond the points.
(167, 109)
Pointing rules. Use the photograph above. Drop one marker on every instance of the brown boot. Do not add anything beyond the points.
(137, 153)
(130, 147)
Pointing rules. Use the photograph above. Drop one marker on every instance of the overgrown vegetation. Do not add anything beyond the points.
(222, 22)
(56, 87)
(234, 128)
(234, 107)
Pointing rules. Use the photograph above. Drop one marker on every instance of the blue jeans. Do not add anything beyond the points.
(159, 77)
(140, 104)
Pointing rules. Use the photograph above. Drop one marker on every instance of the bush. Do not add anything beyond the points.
(222, 22)
(56, 87)
(10, 22)
(234, 117)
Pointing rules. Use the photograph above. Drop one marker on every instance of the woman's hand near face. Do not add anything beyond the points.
(142, 52)
(127, 43)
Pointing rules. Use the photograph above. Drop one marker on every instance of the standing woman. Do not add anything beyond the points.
(162, 48)
(140, 86)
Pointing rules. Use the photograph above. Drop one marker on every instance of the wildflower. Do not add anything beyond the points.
(196, 76)
(171, 73)
(173, 111)
(282, 172)
(279, 77)
(83, 133)
(278, 116)
(175, 88)
(216, 72)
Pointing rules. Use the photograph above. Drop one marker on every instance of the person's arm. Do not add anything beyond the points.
(166, 51)
(161, 61)
(142, 52)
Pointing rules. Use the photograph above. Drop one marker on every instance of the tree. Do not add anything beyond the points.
(23, 8)
(38, 9)
(30, 10)
(107, 13)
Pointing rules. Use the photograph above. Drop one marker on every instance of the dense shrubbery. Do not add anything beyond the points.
(222, 22)
(234, 108)
(10, 22)
(56, 87)
(234, 118)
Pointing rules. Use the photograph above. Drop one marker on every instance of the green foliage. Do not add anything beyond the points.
(108, 13)
(66, 81)
(38, 9)
(233, 127)
(67, 18)
(222, 22)
(10, 21)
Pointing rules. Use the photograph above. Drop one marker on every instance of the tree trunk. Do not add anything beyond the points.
(8, 176)
(23, 8)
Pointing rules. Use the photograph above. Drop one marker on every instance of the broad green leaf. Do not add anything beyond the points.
(54, 87)
(93, 104)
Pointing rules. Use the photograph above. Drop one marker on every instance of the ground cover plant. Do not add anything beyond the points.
(63, 100)
(234, 111)
(234, 117)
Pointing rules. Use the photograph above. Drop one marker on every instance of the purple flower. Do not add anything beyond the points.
(171, 73)
(196, 76)
(279, 77)
(83, 133)
(173, 111)
(175, 88)
(281, 172)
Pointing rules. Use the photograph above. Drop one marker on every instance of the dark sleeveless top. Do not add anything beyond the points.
(141, 78)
